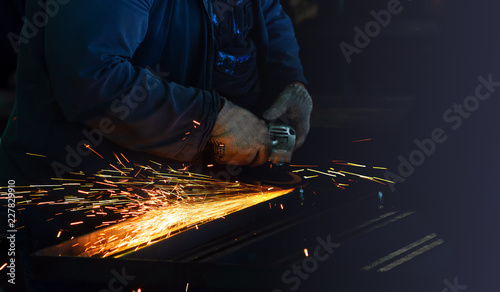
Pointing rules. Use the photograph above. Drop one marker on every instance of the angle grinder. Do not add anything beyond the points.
(276, 172)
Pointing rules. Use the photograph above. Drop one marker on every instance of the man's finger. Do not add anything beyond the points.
(278, 109)
(301, 135)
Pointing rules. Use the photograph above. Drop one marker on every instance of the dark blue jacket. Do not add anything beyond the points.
(137, 72)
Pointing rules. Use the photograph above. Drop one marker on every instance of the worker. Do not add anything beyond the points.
(144, 77)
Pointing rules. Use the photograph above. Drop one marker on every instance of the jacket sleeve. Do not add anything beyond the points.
(89, 46)
(283, 51)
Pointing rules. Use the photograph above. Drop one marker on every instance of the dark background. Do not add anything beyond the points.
(395, 91)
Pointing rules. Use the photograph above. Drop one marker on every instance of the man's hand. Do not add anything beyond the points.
(293, 107)
(239, 137)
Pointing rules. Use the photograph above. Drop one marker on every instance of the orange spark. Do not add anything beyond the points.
(168, 218)
(88, 146)
(362, 140)
(37, 155)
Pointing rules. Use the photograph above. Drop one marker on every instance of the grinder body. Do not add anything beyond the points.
(276, 172)
(282, 144)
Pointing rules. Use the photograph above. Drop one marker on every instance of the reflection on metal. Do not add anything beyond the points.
(411, 256)
(378, 226)
(380, 200)
(399, 252)
(371, 221)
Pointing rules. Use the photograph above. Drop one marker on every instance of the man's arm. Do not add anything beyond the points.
(89, 45)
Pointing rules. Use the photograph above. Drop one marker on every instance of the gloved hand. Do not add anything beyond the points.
(239, 137)
(293, 107)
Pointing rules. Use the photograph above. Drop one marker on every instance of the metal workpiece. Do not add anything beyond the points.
(252, 249)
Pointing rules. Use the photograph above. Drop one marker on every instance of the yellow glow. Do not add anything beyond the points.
(161, 222)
